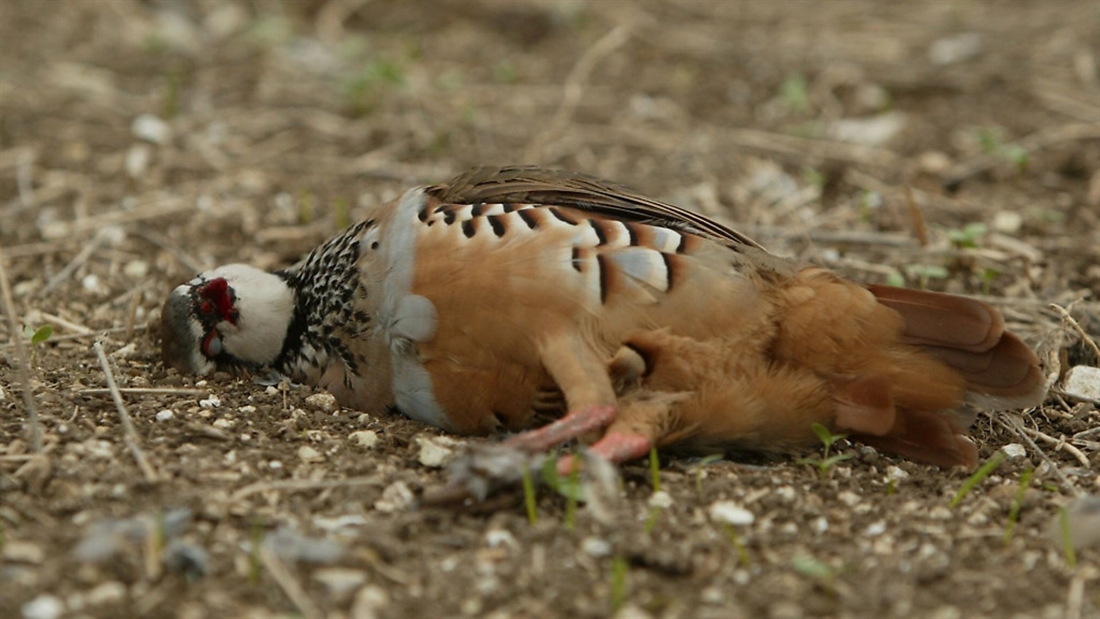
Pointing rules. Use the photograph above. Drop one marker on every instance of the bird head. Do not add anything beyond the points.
(233, 316)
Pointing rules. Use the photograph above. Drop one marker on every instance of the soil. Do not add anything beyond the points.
(953, 145)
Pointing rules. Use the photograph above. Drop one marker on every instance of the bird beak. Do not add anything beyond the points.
(182, 335)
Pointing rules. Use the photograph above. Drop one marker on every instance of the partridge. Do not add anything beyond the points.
(509, 296)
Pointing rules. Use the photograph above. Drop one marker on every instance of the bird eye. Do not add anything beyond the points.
(212, 344)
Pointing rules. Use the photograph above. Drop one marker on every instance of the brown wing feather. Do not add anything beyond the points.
(534, 185)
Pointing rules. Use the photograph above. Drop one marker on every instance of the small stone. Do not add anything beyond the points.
(1014, 450)
(1080, 525)
(632, 611)
(23, 552)
(940, 512)
(820, 525)
(849, 498)
(275, 465)
(271, 390)
(247, 409)
(1083, 381)
(895, 474)
(340, 581)
(211, 402)
(136, 269)
(596, 547)
(309, 455)
(110, 592)
(956, 48)
(875, 529)
(165, 414)
(223, 423)
(324, 402)
(137, 160)
(366, 439)
(500, 537)
(435, 451)
(660, 500)
(45, 606)
(933, 162)
(396, 497)
(728, 512)
(369, 602)
(1007, 222)
(152, 129)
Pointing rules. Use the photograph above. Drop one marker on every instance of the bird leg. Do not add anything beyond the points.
(582, 375)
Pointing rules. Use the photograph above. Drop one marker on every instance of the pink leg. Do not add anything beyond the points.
(614, 446)
(571, 426)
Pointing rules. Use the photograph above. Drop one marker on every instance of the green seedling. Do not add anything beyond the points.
(819, 571)
(795, 93)
(825, 464)
(655, 469)
(255, 564)
(37, 337)
(1067, 538)
(506, 72)
(700, 471)
(742, 552)
(529, 496)
(924, 272)
(1017, 502)
(988, 275)
(569, 487)
(363, 92)
(891, 487)
(978, 476)
(896, 279)
(620, 570)
(968, 236)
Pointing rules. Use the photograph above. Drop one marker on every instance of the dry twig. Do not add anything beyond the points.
(129, 435)
(288, 584)
(1076, 327)
(1017, 428)
(21, 360)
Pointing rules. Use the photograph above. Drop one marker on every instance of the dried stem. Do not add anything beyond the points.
(128, 434)
(35, 428)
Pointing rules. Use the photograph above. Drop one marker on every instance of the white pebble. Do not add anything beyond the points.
(596, 547)
(501, 537)
(364, 438)
(110, 592)
(211, 402)
(165, 414)
(309, 454)
(325, 402)
(875, 529)
(434, 451)
(247, 410)
(728, 512)
(1084, 382)
(150, 128)
(660, 500)
(1014, 450)
(895, 474)
(45, 606)
(275, 465)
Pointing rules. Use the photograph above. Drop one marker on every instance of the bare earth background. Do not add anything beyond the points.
(949, 144)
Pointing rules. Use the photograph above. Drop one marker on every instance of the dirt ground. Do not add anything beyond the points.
(947, 144)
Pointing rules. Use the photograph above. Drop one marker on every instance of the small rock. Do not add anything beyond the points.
(165, 414)
(873, 131)
(340, 581)
(895, 474)
(137, 160)
(396, 497)
(632, 611)
(957, 48)
(1007, 222)
(435, 451)
(224, 424)
(1081, 525)
(875, 529)
(849, 498)
(135, 269)
(596, 547)
(292, 547)
(501, 537)
(152, 129)
(728, 512)
(23, 552)
(324, 402)
(246, 410)
(1014, 450)
(933, 162)
(660, 500)
(211, 402)
(369, 602)
(309, 455)
(110, 592)
(45, 606)
(820, 525)
(1084, 382)
(366, 439)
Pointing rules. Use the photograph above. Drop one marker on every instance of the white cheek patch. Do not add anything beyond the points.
(200, 362)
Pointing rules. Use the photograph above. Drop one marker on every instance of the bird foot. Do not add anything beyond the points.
(571, 426)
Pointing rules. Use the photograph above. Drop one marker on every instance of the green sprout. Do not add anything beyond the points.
(924, 272)
(978, 476)
(742, 552)
(37, 337)
(529, 497)
(1067, 538)
(569, 487)
(255, 564)
(968, 236)
(620, 570)
(700, 471)
(816, 570)
(825, 464)
(795, 93)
